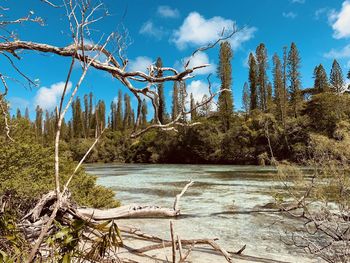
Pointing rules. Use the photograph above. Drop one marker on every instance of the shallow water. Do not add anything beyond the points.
(208, 205)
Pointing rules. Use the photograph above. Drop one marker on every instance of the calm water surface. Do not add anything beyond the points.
(213, 207)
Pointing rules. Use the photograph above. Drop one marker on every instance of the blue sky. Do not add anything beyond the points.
(172, 30)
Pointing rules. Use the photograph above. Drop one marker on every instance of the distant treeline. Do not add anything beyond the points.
(277, 118)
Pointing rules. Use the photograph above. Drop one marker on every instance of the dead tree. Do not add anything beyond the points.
(321, 199)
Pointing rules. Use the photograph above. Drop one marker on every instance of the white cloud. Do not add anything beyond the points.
(201, 58)
(340, 21)
(298, 1)
(196, 30)
(291, 15)
(47, 98)
(198, 88)
(140, 63)
(168, 12)
(150, 29)
(337, 54)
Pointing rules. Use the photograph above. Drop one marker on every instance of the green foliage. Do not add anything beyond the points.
(160, 90)
(294, 63)
(336, 77)
(321, 80)
(12, 242)
(253, 82)
(28, 170)
(326, 110)
(261, 59)
(225, 100)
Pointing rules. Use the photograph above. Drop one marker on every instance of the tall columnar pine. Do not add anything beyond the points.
(204, 110)
(284, 78)
(225, 101)
(127, 121)
(18, 114)
(26, 114)
(182, 100)
(86, 116)
(161, 98)
(132, 117)
(269, 99)
(38, 121)
(175, 108)
(279, 89)
(293, 67)
(101, 110)
(113, 123)
(144, 112)
(91, 126)
(119, 112)
(49, 126)
(261, 58)
(193, 108)
(246, 98)
(253, 79)
(336, 77)
(78, 126)
(321, 80)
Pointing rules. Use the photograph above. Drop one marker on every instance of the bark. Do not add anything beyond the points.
(134, 210)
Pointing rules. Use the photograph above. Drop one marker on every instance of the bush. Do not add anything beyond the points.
(27, 169)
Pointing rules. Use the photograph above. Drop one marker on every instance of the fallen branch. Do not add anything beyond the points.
(134, 210)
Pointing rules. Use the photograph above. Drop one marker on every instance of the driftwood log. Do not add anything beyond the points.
(134, 210)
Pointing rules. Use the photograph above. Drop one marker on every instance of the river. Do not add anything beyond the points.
(215, 206)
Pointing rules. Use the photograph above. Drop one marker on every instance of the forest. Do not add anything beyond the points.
(278, 117)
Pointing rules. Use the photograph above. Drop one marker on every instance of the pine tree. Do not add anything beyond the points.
(132, 121)
(86, 116)
(119, 112)
(336, 77)
(26, 115)
(101, 109)
(205, 109)
(144, 114)
(113, 123)
(127, 112)
(225, 101)
(49, 127)
(294, 78)
(246, 98)
(279, 88)
(253, 82)
(39, 121)
(78, 126)
(193, 108)
(284, 79)
(91, 115)
(261, 58)
(18, 114)
(175, 109)
(161, 98)
(269, 99)
(321, 80)
(182, 100)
